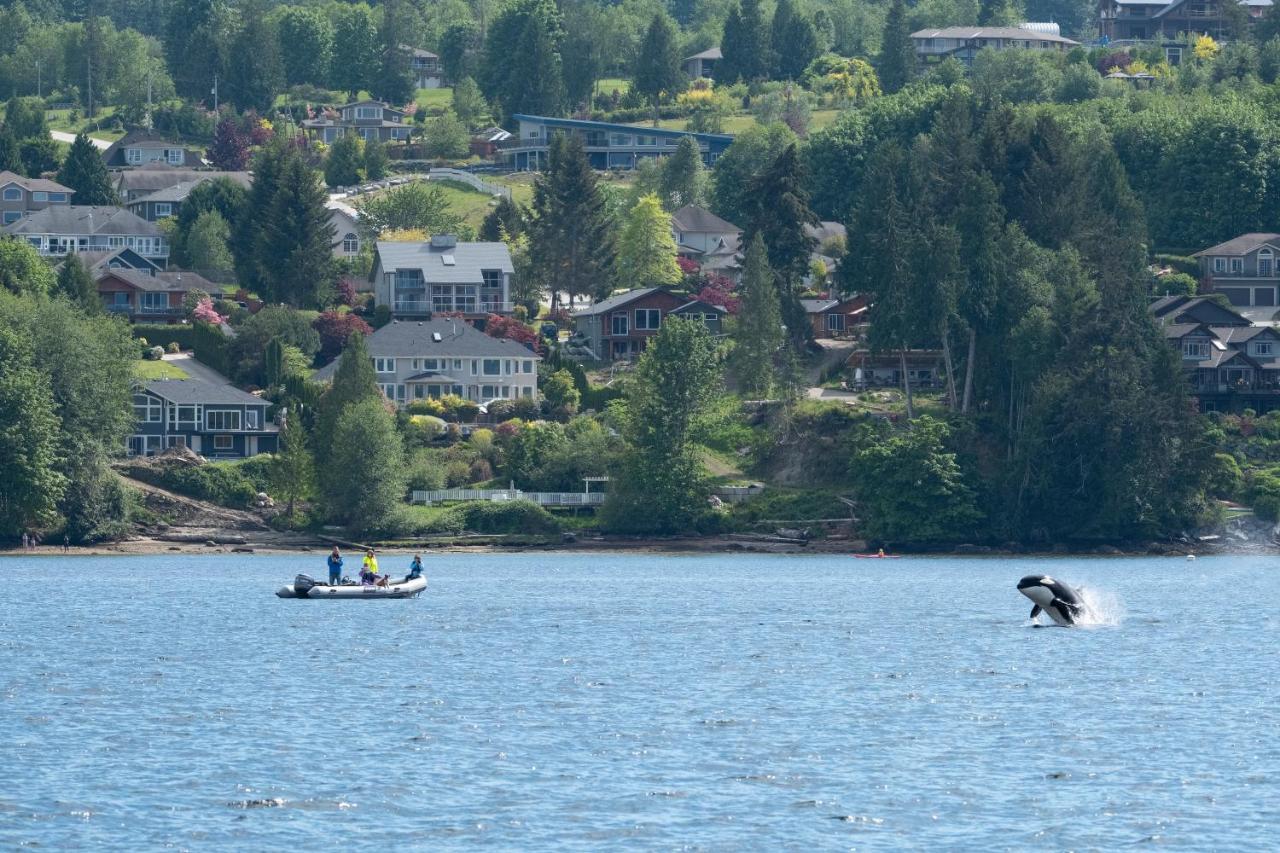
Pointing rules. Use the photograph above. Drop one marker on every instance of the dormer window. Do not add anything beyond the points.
(1266, 263)
(368, 112)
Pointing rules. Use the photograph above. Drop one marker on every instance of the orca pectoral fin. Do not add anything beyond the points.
(1068, 611)
(1035, 610)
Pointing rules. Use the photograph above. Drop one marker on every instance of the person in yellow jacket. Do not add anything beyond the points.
(369, 568)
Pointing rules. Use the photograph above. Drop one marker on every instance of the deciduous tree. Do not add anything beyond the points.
(647, 248)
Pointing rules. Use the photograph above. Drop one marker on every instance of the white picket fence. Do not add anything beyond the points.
(442, 173)
(540, 498)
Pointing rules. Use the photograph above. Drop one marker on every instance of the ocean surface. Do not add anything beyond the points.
(605, 701)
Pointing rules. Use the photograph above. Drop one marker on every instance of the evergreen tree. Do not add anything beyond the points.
(354, 382)
(683, 179)
(581, 66)
(257, 75)
(40, 155)
(375, 160)
(25, 119)
(784, 14)
(292, 469)
(657, 68)
(306, 45)
(456, 46)
(85, 173)
(801, 47)
(221, 195)
(661, 485)
(539, 89)
(230, 149)
(365, 440)
(10, 154)
(206, 245)
(252, 267)
(273, 362)
(758, 336)
(505, 61)
(647, 248)
(505, 222)
(896, 63)
(468, 102)
(342, 165)
(295, 244)
(32, 485)
(76, 285)
(571, 241)
(355, 48)
(779, 215)
(394, 83)
(193, 47)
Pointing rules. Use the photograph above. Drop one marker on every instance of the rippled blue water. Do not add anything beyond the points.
(603, 701)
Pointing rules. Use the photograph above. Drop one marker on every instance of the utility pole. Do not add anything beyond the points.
(39, 80)
(215, 93)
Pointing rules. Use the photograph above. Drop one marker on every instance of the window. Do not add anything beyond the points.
(133, 156)
(368, 112)
(619, 325)
(58, 198)
(488, 392)
(1265, 263)
(597, 139)
(12, 216)
(646, 140)
(350, 244)
(388, 388)
(12, 194)
(1262, 349)
(163, 209)
(528, 367)
(648, 318)
(457, 364)
(528, 392)
(250, 418)
(619, 140)
(384, 365)
(1195, 349)
(492, 279)
(223, 442)
(182, 415)
(39, 196)
(174, 156)
(1237, 265)
(1219, 264)
(221, 419)
(178, 440)
(506, 366)
(492, 366)
(155, 303)
(146, 408)
(835, 322)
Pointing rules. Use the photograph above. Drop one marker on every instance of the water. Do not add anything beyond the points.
(599, 701)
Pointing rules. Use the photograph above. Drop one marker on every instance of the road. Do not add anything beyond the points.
(63, 136)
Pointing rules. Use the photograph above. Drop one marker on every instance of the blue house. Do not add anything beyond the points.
(609, 146)
(214, 420)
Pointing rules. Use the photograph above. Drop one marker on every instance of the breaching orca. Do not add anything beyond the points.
(1063, 604)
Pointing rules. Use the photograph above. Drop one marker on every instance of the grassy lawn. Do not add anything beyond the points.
(434, 101)
(821, 118)
(465, 202)
(521, 184)
(608, 84)
(61, 120)
(158, 370)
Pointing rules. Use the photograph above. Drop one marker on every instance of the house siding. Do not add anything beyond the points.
(151, 436)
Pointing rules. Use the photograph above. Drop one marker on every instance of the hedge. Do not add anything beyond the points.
(208, 343)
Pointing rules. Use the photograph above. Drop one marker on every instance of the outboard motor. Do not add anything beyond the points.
(302, 585)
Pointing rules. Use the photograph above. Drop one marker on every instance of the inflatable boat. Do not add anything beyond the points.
(304, 586)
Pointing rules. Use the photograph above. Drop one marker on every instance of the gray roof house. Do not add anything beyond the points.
(706, 238)
(140, 147)
(441, 274)
(20, 196)
(210, 418)
(964, 43)
(415, 359)
(367, 119)
(425, 66)
(57, 230)
(134, 184)
(702, 64)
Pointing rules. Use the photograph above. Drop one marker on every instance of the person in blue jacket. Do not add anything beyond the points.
(335, 567)
(415, 568)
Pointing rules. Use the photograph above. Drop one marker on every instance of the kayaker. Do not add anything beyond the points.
(335, 567)
(415, 568)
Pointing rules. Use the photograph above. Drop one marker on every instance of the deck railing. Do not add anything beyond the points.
(500, 495)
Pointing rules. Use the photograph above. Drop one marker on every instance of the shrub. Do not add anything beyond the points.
(481, 471)
(218, 482)
(425, 473)
(381, 316)
(457, 474)
(335, 328)
(173, 347)
(508, 517)
(257, 470)
(155, 353)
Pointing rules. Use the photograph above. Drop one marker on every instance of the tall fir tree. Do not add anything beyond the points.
(581, 66)
(571, 237)
(657, 68)
(296, 244)
(76, 285)
(507, 221)
(800, 47)
(354, 382)
(758, 336)
(745, 45)
(394, 82)
(683, 179)
(504, 61)
(257, 75)
(193, 47)
(10, 153)
(779, 214)
(292, 469)
(86, 174)
(344, 162)
(784, 14)
(733, 48)
(252, 268)
(539, 89)
(896, 64)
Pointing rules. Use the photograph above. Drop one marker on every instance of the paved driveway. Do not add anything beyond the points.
(196, 369)
(63, 136)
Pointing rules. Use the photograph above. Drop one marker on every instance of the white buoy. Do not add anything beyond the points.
(1191, 556)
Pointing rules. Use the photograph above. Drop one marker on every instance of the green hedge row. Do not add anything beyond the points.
(208, 343)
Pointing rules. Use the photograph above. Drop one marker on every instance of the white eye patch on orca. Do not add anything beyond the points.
(1047, 581)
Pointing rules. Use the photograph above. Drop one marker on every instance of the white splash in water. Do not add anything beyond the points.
(1102, 608)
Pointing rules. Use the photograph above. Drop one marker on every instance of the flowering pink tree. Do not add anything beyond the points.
(718, 290)
(335, 328)
(205, 313)
(511, 329)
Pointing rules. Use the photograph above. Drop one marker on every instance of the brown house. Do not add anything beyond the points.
(620, 327)
(835, 318)
(148, 298)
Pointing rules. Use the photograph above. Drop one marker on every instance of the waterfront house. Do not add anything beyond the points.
(368, 119)
(142, 147)
(872, 369)
(608, 146)
(442, 275)
(135, 184)
(55, 231)
(21, 196)
(620, 327)
(702, 64)
(835, 318)
(416, 359)
(1244, 270)
(212, 419)
(1140, 20)
(148, 296)
(425, 66)
(963, 43)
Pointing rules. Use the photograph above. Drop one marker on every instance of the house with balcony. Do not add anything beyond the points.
(702, 64)
(56, 231)
(1244, 269)
(443, 275)
(964, 43)
(620, 327)
(1231, 364)
(142, 148)
(1158, 20)
(215, 420)
(836, 318)
(134, 184)
(145, 296)
(417, 359)
(425, 65)
(370, 120)
(21, 196)
(608, 146)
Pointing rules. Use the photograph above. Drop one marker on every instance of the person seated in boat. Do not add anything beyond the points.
(415, 568)
(335, 567)
(369, 569)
